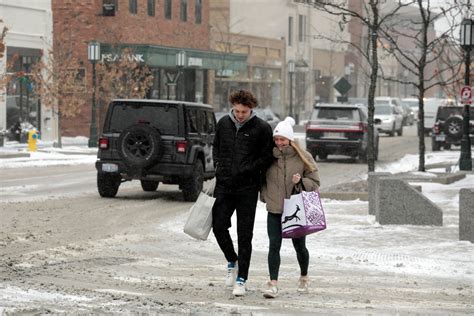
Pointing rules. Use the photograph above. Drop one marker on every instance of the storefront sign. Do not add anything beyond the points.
(196, 62)
(116, 57)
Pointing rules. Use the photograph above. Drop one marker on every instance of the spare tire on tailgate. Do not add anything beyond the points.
(453, 126)
(139, 145)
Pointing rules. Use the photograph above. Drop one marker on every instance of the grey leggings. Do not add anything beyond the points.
(274, 235)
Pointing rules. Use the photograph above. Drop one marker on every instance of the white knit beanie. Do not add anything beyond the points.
(285, 128)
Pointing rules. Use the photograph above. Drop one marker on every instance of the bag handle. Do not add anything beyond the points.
(208, 188)
(294, 191)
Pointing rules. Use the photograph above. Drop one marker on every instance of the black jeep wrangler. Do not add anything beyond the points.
(448, 127)
(156, 141)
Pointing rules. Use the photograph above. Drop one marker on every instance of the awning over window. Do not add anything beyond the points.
(159, 56)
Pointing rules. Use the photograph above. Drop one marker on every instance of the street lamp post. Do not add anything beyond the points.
(93, 54)
(180, 63)
(467, 41)
(291, 71)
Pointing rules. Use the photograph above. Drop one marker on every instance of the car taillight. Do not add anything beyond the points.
(436, 129)
(312, 127)
(362, 127)
(103, 143)
(181, 146)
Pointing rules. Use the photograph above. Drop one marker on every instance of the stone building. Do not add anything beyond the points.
(28, 38)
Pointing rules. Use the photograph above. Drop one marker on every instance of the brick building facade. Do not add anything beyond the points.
(156, 31)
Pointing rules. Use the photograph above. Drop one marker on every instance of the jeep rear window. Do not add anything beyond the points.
(350, 114)
(445, 113)
(162, 116)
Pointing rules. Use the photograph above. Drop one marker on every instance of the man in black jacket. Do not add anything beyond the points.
(242, 153)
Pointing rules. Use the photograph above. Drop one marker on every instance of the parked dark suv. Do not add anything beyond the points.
(339, 129)
(156, 141)
(448, 127)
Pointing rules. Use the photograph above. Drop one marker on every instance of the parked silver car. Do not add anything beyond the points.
(388, 116)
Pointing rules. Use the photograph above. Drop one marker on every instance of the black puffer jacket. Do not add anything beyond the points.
(241, 157)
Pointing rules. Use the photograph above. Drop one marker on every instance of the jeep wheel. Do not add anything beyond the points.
(149, 186)
(453, 127)
(193, 186)
(447, 146)
(108, 184)
(435, 146)
(139, 145)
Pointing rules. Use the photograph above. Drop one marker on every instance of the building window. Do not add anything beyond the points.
(132, 6)
(184, 10)
(151, 7)
(198, 11)
(301, 28)
(290, 31)
(168, 9)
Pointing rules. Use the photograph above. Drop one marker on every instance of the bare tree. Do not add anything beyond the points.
(123, 76)
(370, 15)
(227, 44)
(423, 61)
(60, 83)
(450, 79)
(4, 78)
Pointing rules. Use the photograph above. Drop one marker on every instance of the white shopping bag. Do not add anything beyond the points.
(199, 222)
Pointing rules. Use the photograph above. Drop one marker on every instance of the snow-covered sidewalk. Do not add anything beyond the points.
(357, 266)
(73, 152)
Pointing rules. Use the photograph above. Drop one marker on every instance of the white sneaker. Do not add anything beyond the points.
(271, 291)
(303, 286)
(239, 287)
(231, 274)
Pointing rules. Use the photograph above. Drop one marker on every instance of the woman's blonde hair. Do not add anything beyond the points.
(311, 167)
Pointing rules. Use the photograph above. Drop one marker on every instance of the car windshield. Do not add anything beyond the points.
(382, 102)
(383, 110)
(350, 114)
(445, 112)
(412, 104)
(162, 116)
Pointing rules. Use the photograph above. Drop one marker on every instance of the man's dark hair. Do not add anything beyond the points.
(243, 97)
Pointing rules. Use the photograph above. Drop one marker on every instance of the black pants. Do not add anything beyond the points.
(222, 211)
(274, 235)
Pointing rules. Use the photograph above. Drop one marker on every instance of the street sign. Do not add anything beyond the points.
(342, 86)
(342, 99)
(466, 95)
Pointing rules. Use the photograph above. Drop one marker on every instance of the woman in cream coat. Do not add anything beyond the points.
(293, 168)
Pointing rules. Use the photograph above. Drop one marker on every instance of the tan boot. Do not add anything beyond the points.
(303, 286)
(271, 291)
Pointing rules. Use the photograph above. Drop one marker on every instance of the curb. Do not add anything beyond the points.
(14, 155)
(67, 152)
(345, 196)
(443, 178)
